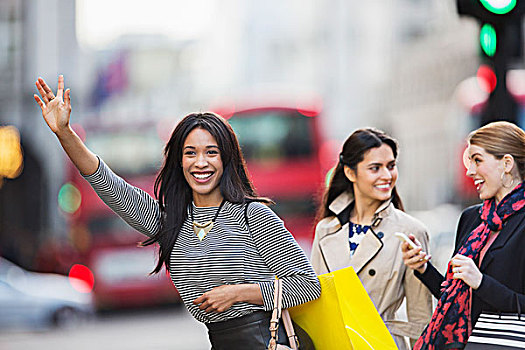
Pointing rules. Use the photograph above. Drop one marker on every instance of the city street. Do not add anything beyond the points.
(134, 139)
(159, 329)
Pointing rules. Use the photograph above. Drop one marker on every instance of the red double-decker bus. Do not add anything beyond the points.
(101, 240)
(287, 159)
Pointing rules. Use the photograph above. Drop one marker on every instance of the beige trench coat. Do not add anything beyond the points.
(378, 263)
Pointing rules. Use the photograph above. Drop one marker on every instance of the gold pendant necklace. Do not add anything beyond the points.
(201, 230)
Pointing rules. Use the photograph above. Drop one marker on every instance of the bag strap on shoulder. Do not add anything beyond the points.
(246, 216)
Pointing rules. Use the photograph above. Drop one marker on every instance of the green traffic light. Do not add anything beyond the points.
(499, 7)
(488, 39)
(69, 198)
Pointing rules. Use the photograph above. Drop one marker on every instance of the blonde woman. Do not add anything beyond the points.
(487, 271)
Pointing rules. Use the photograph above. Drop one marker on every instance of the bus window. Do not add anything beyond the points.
(127, 152)
(274, 135)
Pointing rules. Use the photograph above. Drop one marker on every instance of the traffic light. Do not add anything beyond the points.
(69, 198)
(488, 39)
(499, 7)
(500, 42)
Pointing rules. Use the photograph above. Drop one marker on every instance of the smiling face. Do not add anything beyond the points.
(375, 176)
(485, 170)
(202, 167)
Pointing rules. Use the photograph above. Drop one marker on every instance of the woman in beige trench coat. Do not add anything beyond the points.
(360, 213)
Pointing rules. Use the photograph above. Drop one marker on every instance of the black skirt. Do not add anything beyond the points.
(246, 332)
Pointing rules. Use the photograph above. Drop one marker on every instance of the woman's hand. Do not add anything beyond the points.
(414, 258)
(55, 109)
(465, 269)
(221, 298)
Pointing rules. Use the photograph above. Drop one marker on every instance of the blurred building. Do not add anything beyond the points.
(37, 38)
(394, 65)
(139, 77)
(436, 51)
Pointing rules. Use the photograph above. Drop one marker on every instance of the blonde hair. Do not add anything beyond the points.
(500, 138)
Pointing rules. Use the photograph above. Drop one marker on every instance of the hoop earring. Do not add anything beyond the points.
(503, 180)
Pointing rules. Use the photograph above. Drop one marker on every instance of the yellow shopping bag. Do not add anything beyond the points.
(343, 317)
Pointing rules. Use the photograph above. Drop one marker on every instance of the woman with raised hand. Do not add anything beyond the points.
(222, 245)
(360, 214)
(487, 270)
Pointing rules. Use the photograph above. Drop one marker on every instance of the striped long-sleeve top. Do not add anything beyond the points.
(231, 253)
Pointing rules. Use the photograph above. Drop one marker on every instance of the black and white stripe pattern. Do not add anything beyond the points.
(494, 331)
(230, 254)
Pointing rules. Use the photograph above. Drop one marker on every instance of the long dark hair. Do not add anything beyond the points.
(354, 149)
(173, 192)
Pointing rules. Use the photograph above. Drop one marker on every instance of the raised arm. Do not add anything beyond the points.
(132, 204)
(56, 111)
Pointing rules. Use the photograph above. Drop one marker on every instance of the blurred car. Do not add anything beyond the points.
(41, 300)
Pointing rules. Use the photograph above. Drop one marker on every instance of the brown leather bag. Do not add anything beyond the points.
(287, 321)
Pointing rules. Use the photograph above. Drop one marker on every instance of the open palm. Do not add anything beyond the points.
(55, 109)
